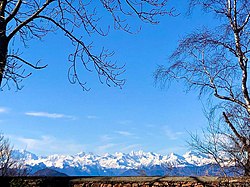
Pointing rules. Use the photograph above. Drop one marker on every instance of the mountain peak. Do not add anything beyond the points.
(81, 154)
(196, 158)
(23, 154)
(113, 164)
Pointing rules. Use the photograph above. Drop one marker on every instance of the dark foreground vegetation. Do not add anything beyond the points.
(124, 181)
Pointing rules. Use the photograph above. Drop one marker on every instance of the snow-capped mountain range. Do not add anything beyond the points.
(120, 164)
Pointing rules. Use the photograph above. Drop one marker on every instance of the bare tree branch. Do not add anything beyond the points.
(78, 20)
(14, 12)
(215, 63)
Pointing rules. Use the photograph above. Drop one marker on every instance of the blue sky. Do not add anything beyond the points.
(50, 115)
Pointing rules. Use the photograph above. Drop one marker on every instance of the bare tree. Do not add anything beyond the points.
(220, 143)
(214, 61)
(5, 156)
(9, 165)
(77, 20)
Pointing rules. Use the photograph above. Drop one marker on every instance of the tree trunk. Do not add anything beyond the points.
(3, 40)
(3, 55)
(247, 166)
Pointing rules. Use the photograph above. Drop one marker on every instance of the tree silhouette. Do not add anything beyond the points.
(215, 62)
(77, 20)
(9, 165)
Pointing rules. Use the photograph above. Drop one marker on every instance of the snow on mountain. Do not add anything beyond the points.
(147, 159)
(23, 154)
(118, 164)
(197, 159)
(175, 160)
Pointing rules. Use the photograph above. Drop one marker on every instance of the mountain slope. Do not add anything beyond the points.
(49, 172)
(120, 164)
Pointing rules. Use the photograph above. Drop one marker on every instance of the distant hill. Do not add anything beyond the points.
(49, 172)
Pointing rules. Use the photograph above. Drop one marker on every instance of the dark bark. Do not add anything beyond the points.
(247, 166)
(3, 55)
(3, 41)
